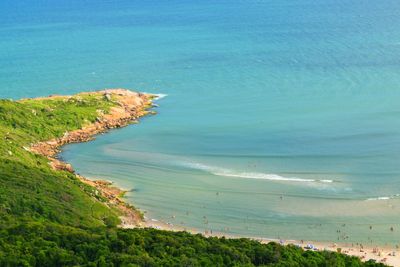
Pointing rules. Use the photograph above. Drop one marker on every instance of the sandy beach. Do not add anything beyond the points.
(384, 254)
(132, 106)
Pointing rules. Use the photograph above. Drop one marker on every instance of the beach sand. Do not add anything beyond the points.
(385, 254)
(134, 105)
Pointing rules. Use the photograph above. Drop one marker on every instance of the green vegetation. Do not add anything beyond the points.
(30, 189)
(50, 218)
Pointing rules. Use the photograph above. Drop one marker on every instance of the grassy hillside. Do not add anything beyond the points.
(50, 218)
(30, 188)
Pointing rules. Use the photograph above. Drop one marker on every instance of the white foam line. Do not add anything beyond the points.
(263, 176)
(250, 175)
(326, 181)
(383, 198)
(378, 198)
(160, 96)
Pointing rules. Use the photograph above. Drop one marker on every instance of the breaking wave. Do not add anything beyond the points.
(249, 175)
(383, 198)
(160, 96)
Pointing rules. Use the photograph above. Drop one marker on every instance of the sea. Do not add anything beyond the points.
(277, 119)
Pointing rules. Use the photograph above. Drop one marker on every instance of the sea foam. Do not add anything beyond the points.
(383, 198)
(249, 175)
(160, 96)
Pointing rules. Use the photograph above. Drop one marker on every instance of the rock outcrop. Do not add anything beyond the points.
(129, 106)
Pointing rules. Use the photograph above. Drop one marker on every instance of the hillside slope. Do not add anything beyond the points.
(49, 217)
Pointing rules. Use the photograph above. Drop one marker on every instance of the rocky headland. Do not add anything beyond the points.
(127, 108)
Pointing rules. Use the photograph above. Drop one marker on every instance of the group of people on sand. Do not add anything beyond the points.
(356, 249)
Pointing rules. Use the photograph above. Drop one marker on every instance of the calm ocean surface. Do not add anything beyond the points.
(282, 118)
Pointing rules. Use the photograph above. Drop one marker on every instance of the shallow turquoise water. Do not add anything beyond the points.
(281, 120)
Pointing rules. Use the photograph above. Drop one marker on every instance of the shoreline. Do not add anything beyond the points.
(130, 106)
(384, 254)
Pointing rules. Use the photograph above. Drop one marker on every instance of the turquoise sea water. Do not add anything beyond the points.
(281, 120)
